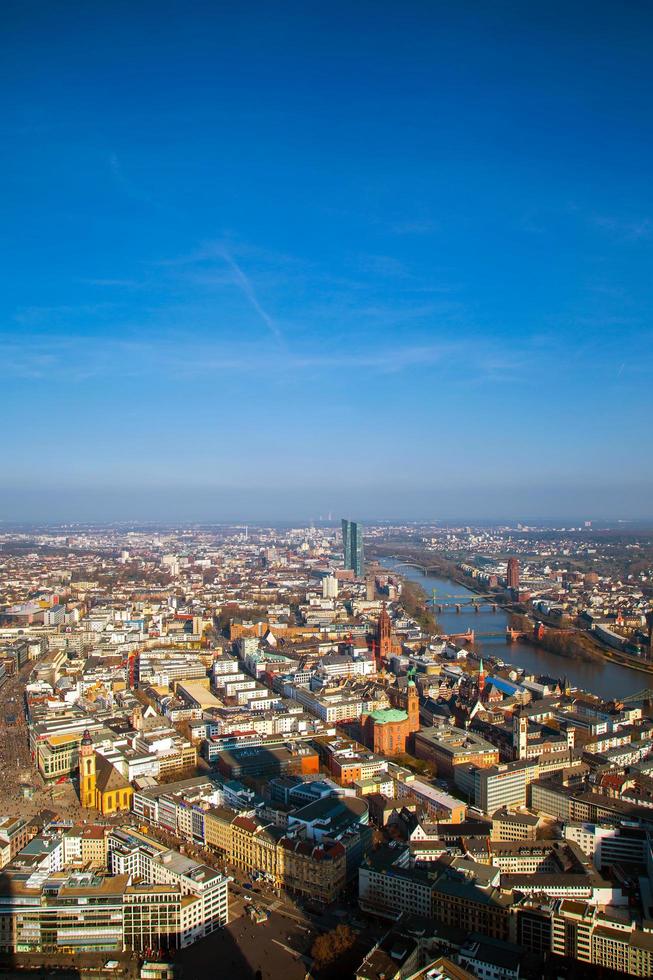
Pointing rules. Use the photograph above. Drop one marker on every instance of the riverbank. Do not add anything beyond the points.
(414, 601)
(557, 639)
(603, 674)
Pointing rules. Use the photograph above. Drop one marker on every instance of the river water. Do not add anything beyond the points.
(603, 677)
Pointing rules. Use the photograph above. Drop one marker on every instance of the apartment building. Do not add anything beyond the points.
(607, 845)
(436, 802)
(254, 846)
(576, 804)
(266, 762)
(330, 706)
(316, 870)
(54, 742)
(472, 897)
(174, 753)
(387, 883)
(455, 891)
(513, 826)
(348, 761)
(85, 846)
(602, 938)
(14, 835)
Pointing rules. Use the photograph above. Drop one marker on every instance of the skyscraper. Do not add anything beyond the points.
(352, 542)
(512, 575)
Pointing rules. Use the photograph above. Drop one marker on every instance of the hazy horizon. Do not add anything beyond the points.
(207, 504)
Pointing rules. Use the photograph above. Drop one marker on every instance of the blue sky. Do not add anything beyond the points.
(271, 260)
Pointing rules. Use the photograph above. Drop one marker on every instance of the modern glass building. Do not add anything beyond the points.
(352, 541)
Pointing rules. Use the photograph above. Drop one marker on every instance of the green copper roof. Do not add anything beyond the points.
(384, 715)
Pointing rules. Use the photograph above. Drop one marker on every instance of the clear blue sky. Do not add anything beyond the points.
(276, 259)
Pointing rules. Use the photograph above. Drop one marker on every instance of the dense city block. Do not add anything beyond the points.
(213, 725)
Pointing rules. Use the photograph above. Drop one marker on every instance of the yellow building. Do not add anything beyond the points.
(217, 828)
(316, 871)
(101, 786)
(254, 846)
(112, 790)
(87, 773)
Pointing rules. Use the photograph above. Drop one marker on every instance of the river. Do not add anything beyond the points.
(603, 677)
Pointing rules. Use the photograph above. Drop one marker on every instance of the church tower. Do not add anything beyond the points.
(519, 735)
(87, 772)
(481, 679)
(384, 638)
(412, 707)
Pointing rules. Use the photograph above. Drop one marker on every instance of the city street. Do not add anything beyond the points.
(16, 765)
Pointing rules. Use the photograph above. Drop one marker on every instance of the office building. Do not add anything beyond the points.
(448, 747)
(503, 785)
(352, 541)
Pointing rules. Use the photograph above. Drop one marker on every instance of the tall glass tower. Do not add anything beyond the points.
(352, 542)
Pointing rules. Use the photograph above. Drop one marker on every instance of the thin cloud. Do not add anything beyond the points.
(630, 230)
(60, 358)
(247, 290)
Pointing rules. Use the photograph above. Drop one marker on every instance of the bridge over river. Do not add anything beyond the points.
(607, 678)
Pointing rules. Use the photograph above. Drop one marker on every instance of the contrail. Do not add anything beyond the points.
(250, 295)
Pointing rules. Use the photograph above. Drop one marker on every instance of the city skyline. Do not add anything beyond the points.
(265, 264)
(326, 505)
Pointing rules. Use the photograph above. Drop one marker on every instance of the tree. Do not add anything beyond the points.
(330, 945)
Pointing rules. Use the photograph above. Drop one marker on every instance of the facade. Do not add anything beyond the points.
(386, 883)
(217, 828)
(553, 797)
(438, 804)
(315, 869)
(350, 762)
(455, 891)
(254, 846)
(352, 541)
(608, 845)
(508, 826)
(502, 786)
(84, 912)
(85, 846)
(591, 936)
(14, 835)
(203, 891)
(267, 762)
(467, 895)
